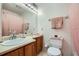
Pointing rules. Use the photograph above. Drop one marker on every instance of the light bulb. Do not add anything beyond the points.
(40, 12)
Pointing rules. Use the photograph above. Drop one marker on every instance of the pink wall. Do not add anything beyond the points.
(11, 21)
(74, 25)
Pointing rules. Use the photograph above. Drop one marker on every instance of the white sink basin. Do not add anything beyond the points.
(14, 41)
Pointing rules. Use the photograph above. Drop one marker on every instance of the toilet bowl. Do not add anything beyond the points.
(54, 47)
(52, 51)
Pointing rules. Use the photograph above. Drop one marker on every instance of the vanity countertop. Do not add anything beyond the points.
(29, 35)
(4, 49)
(36, 35)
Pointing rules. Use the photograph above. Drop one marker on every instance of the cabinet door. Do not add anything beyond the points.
(29, 50)
(39, 43)
(21, 51)
(34, 49)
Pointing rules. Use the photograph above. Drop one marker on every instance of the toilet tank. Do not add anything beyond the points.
(56, 42)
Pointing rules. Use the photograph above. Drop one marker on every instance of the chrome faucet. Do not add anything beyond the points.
(13, 35)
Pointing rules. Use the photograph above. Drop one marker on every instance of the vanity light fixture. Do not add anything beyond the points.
(36, 11)
(31, 8)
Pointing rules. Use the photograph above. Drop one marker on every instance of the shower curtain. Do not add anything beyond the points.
(11, 21)
(74, 25)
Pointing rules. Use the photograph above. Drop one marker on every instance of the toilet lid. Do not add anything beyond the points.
(53, 51)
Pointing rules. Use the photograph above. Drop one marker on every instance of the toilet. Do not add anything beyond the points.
(55, 47)
(54, 51)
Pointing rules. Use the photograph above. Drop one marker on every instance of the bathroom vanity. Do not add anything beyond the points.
(28, 48)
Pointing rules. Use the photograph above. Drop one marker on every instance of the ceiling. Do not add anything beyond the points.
(53, 8)
(45, 7)
(14, 8)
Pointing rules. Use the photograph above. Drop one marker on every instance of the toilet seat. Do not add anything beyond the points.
(53, 51)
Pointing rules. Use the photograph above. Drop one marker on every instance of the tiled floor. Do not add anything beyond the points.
(43, 53)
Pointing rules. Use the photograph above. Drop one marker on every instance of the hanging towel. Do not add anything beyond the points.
(57, 22)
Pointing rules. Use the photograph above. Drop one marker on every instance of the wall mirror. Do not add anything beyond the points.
(16, 18)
